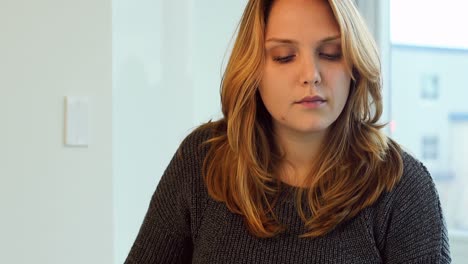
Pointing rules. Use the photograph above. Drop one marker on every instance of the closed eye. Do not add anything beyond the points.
(284, 59)
(332, 57)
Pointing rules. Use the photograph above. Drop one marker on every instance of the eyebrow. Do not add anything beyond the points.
(290, 41)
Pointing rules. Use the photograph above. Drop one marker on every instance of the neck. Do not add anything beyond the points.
(300, 152)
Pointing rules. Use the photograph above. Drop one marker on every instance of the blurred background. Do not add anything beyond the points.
(96, 96)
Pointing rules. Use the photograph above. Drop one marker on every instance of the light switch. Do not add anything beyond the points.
(76, 121)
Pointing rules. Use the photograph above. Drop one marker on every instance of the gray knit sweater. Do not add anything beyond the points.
(184, 225)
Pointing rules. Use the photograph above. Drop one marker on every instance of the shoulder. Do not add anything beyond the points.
(181, 185)
(409, 218)
(417, 222)
(416, 196)
(413, 166)
(196, 144)
(191, 156)
(415, 189)
(185, 167)
(198, 137)
(415, 179)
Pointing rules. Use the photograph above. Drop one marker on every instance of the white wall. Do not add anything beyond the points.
(215, 23)
(167, 68)
(56, 202)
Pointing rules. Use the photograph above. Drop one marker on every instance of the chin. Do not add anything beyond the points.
(312, 129)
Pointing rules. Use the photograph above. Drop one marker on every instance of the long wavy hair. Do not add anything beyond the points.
(358, 164)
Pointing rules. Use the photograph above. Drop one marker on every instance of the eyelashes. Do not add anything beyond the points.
(284, 59)
(326, 56)
(332, 57)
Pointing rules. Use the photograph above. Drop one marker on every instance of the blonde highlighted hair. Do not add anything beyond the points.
(358, 164)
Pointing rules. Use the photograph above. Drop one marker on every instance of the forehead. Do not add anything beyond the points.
(301, 18)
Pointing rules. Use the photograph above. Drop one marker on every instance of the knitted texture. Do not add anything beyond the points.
(184, 225)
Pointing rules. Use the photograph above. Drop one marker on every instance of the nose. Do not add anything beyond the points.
(310, 72)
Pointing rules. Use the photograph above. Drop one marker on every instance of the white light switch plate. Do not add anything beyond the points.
(76, 121)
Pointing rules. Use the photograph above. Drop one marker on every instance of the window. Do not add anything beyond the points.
(429, 99)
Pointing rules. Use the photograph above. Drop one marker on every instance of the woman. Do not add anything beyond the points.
(298, 170)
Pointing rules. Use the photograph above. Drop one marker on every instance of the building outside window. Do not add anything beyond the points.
(428, 66)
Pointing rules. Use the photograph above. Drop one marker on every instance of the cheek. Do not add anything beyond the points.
(270, 88)
(269, 93)
(340, 81)
(344, 87)
(276, 95)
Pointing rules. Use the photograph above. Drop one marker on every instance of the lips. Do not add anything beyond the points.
(311, 99)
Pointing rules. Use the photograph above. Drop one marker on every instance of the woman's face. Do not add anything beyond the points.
(305, 83)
